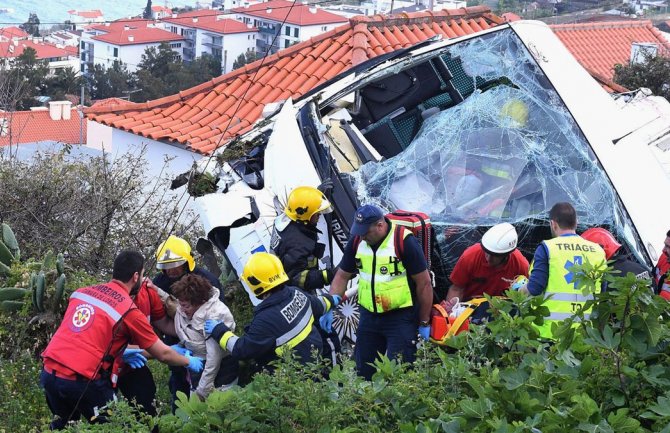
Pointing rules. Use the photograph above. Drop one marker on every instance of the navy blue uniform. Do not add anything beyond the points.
(281, 321)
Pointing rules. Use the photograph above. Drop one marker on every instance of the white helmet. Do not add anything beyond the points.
(500, 239)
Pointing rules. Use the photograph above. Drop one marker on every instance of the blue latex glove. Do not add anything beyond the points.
(424, 332)
(336, 300)
(326, 322)
(180, 350)
(210, 324)
(195, 364)
(134, 358)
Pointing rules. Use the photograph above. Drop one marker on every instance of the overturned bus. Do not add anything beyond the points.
(487, 128)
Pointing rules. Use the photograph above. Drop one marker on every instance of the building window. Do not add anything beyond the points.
(288, 31)
(173, 29)
(295, 32)
(116, 52)
(323, 29)
(286, 43)
(83, 45)
(175, 45)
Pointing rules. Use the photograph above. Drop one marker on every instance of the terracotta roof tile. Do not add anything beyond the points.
(599, 46)
(22, 127)
(209, 115)
(291, 12)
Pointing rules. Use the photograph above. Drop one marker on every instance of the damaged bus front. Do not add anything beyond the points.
(492, 127)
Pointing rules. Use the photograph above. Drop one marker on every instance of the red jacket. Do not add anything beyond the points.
(660, 275)
(87, 340)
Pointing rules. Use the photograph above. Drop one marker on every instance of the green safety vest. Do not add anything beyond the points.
(382, 278)
(565, 251)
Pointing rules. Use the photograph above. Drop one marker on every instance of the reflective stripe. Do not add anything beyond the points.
(298, 338)
(111, 312)
(379, 278)
(229, 343)
(577, 297)
(297, 329)
(563, 316)
(324, 302)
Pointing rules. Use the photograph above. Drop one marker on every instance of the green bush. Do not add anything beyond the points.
(606, 374)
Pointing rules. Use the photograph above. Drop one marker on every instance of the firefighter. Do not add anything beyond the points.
(295, 240)
(550, 270)
(98, 324)
(621, 262)
(489, 266)
(394, 288)
(174, 260)
(285, 318)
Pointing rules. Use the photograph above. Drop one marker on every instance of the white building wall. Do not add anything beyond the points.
(70, 62)
(116, 143)
(234, 45)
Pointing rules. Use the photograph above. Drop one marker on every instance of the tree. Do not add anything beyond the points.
(89, 207)
(653, 73)
(157, 61)
(110, 82)
(32, 26)
(64, 82)
(147, 11)
(245, 58)
(31, 72)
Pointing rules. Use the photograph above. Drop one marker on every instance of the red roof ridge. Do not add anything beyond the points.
(206, 116)
(602, 24)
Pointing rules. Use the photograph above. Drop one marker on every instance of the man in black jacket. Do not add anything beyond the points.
(285, 318)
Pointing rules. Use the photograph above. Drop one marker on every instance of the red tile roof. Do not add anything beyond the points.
(13, 32)
(511, 16)
(96, 13)
(110, 102)
(600, 46)
(34, 126)
(207, 116)
(206, 19)
(44, 50)
(161, 9)
(298, 14)
(133, 32)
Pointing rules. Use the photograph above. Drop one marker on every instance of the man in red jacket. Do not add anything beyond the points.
(99, 322)
(660, 271)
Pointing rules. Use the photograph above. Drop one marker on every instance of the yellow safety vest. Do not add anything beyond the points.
(382, 282)
(564, 252)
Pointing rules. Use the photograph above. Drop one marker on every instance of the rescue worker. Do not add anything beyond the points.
(137, 384)
(98, 324)
(174, 260)
(489, 266)
(621, 262)
(283, 320)
(295, 240)
(661, 270)
(550, 272)
(394, 288)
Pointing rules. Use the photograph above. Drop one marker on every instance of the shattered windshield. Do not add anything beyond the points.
(508, 152)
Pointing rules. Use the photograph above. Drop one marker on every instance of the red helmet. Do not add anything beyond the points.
(603, 238)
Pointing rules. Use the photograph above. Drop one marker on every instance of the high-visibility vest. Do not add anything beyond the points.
(564, 252)
(382, 282)
(84, 337)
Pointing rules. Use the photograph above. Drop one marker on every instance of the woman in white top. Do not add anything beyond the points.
(199, 301)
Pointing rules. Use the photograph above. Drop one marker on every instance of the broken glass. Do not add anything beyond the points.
(507, 153)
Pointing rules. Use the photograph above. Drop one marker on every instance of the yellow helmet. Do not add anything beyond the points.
(173, 253)
(304, 202)
(263, 272)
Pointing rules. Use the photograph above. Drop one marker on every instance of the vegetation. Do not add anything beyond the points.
(32, 26)
(653, 72)
(245, 58)
(159, 74)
